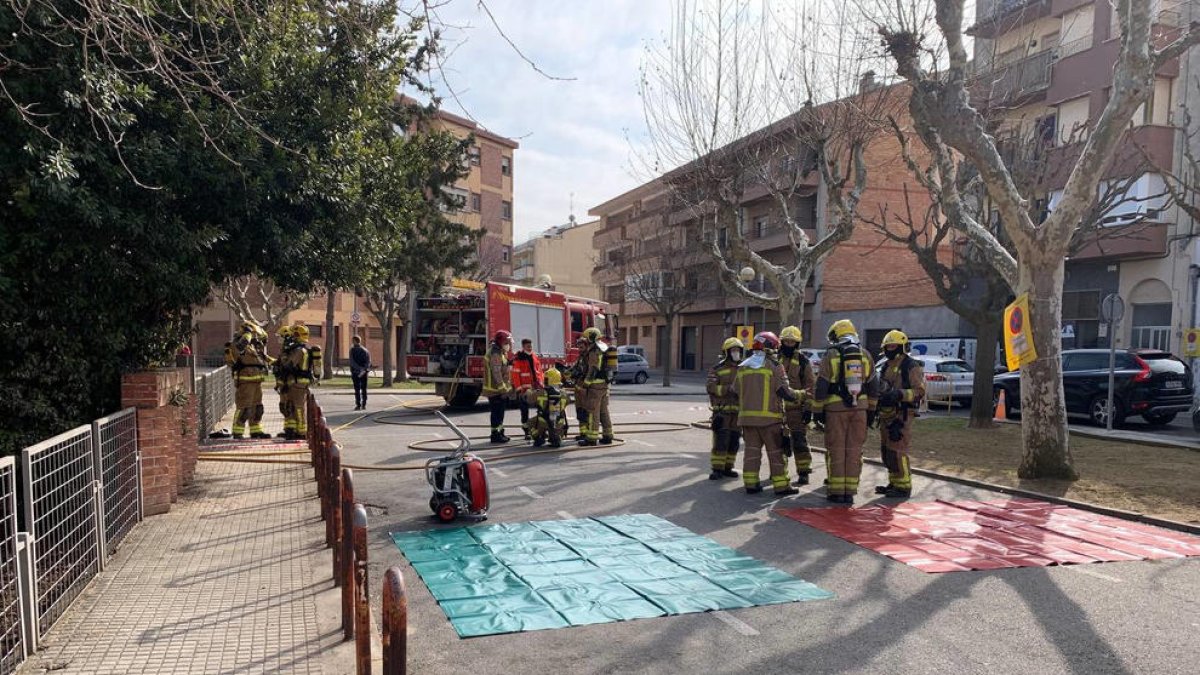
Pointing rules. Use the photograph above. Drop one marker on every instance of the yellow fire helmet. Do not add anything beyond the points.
(895, 337)
(732, 343)
(285, 332)
(592, 334)
(553, 378)
(300, 332)
(840, 329)
(791, 333)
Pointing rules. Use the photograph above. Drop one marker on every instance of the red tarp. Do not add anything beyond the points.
(945, 536)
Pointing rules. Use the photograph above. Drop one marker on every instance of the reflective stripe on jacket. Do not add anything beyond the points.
(916, 380)
(825, 394)
(757, 392)
(800, 374)
(496, 377)
(720, 386)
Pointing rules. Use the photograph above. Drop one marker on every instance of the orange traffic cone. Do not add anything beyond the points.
(1001, 413)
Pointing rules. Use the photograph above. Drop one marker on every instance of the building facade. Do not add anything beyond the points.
(564, 253)
(487, 194)
(869, 279)
(1049, 64)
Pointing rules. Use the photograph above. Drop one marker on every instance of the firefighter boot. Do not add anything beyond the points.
(896, 493)
(786, 492)
(883, 489)
(802, 479)
(499, 437)
(716, 475)
(729, 473)
(606, 440)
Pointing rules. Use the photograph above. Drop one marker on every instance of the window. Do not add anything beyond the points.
(1078, 362)
(458, 199)
(374, 333)
(626, 358)
(473, 155)
(476, 202)
(315, 330)
(505, 253)
(576, 322)
(506, 210)
(1045, 129)
(1142, 199)
(723, 237)
(645, 331)
(1073, 120)
(760, 227)
(953, 367)
(1152, 326)
(1157, 108)
(506, 166)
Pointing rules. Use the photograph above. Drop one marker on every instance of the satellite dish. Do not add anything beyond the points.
(544, 280)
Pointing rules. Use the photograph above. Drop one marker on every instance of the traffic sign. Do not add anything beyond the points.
(1112, 308)
(1191, 343)
(356, 318)
(745, 334)
(1018, 336)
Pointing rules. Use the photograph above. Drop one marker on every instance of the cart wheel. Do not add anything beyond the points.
(434, 503)
(447, 512)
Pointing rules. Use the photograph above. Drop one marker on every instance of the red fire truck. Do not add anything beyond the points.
(449, 332)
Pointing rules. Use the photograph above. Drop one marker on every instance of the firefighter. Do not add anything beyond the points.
(725, 434)
(497, 382)
(844, 400)
(591, 392)
(903, 386)
(283, 378)
(303, 367)
(576, 375)
(249, 370)
(549, 422)
(800, 375)
(527, 376)
(761, 386)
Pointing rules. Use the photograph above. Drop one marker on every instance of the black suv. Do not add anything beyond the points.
(1147, 382)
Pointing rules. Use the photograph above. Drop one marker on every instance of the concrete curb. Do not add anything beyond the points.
(339, 391)
(1018, 492)
(1136, 440)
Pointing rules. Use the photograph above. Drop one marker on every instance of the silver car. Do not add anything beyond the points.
(632, 368)
(946, 379)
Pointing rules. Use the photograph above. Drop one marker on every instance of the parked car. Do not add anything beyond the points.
(632, 368)
(1150, 383)
(945, 378)
(632, 349)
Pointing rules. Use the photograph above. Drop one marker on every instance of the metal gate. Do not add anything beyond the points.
(115, 447)
(13, 643)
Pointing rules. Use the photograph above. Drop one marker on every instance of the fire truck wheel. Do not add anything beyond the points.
(447, 512)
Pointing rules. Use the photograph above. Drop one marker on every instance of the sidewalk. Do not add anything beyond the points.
(236, 578)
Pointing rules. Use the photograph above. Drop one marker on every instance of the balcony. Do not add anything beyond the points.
(1125, 242)
(1018, 82)
(1007, 15)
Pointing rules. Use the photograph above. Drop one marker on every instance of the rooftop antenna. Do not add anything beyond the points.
(571, 212)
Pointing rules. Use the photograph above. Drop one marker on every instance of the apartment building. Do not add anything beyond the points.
(487, 194)
(1046, 68)
(563, 253)
(875, 282)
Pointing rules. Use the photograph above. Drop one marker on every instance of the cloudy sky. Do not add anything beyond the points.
(573, 134)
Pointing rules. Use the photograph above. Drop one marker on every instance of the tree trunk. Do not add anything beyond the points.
(402, 354)
(1043, 402)
(387, 348)
(670, 352)
(987, 333)
(330, 341)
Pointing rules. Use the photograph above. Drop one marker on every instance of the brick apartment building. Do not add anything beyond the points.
(487, 193)
(873, 281)
(1051, 62)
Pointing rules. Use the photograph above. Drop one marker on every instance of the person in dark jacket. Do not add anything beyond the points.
(360, 366)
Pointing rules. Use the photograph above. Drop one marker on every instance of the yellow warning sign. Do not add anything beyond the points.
(745, 334)
(1191, 342)
(1018, 334)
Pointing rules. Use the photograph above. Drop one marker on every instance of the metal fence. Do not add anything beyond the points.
(12, 635)
(59, 491)
(115, 449)
(214, 391)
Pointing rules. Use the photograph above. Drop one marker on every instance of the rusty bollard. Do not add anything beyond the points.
(347, 571)
(333, 522)
(324, 489)
(362, 610)
(395, 623)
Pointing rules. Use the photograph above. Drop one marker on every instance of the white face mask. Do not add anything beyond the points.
(735, 354)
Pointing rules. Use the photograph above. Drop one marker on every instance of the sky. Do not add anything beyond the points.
(574, 134)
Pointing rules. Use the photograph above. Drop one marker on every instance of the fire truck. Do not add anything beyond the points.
(449, 332)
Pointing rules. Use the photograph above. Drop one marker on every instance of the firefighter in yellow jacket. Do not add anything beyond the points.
(592, 391)
(902, 387)
(283, 378)
(725, 435)
(497, 382)
(761, 386)
(797, 415)
(249, 368)
(303, 367)
(844, 401)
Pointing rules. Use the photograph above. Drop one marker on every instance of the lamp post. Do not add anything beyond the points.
(746, 275)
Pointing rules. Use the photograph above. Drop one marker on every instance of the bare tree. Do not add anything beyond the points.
(949, 126)
(489, 259)
(260, 301)
(669, 278)
(730, 99)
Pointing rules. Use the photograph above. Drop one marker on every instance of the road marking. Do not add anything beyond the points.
(498, 472)
(641, 442)
(565, 516)
(1099, 575)
(735, 623)
(438, 434)
(528, 493)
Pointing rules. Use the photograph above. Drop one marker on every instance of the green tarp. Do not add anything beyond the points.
(516, 577)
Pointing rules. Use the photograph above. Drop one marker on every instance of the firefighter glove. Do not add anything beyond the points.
(870, 419)
(819, 418)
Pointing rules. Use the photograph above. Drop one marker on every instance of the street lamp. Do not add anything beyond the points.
(746, 275)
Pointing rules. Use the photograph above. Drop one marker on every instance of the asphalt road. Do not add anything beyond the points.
(886, 616)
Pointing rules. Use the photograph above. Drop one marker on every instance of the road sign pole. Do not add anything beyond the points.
(1112, 360)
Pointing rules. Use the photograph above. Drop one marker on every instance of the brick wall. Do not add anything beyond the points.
(489, 165)
(168, 449)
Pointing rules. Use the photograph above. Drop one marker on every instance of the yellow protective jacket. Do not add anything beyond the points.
(720, 386)
(830, 391)
(757, 391)
(893, 378)
(800, 374)
(249, 365)
(595, 371)
(299, 366)
(497, 377)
